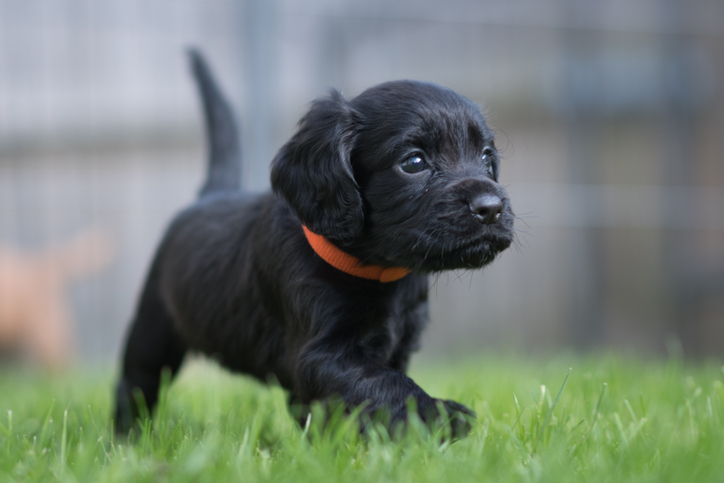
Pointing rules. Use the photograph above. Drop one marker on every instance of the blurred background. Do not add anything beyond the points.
(609, 117)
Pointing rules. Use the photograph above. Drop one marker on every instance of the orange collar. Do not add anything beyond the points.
(349, 264)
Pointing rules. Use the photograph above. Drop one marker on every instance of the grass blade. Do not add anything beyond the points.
(550, 410)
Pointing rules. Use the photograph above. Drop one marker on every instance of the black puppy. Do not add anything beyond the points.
(323, 283)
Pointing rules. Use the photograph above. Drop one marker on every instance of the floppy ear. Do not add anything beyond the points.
(313, 172)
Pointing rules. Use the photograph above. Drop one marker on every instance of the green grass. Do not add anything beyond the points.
(616, 419)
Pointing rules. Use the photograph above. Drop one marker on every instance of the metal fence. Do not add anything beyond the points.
(610, 117)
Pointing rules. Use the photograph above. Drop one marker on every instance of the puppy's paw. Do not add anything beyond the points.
(460, 418)
(446, 412)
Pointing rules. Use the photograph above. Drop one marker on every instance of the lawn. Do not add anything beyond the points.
(564, 418)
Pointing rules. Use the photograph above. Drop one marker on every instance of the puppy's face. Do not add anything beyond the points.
(403, 175)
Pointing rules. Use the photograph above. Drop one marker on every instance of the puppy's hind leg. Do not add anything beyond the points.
(153, 346)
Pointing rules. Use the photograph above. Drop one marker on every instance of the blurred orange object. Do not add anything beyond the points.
(35, 314)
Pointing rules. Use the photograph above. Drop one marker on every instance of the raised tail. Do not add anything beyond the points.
(222, 135)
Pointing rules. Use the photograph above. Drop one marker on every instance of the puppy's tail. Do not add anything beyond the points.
(222, 135)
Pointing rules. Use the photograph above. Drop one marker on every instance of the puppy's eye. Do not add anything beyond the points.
(487, 156)
(413, 164)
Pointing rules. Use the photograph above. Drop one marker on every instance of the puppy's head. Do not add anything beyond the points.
(405, 175)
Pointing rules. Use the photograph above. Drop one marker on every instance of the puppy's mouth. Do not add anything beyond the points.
(443, 253)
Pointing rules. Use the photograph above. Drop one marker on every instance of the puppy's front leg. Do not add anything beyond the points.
(327, 370)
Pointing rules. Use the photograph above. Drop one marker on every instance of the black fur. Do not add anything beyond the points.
(234, 276)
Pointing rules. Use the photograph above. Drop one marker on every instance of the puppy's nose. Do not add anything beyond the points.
(487, 207)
